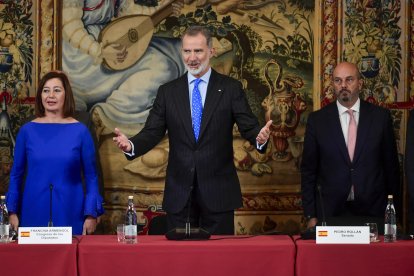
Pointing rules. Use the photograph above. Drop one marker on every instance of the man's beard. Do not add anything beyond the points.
(197, 71)
(344, 95)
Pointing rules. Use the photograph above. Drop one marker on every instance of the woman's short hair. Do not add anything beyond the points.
(68, 105)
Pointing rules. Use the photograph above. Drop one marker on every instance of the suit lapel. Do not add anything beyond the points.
(214, 92)
(182, 103)
(364, 125)
(335, 126)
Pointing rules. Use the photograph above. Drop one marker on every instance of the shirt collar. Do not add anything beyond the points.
(205, 77)
(342, 109)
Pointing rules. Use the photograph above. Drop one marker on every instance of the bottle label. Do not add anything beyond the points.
(390, 229)
(4, 229)
(130, 230)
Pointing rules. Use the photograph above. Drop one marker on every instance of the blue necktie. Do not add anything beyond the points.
(197, 109)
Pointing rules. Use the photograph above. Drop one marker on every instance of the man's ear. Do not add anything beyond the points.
(212, 52)
(361, 83)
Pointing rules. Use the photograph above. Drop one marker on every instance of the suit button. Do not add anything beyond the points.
(192, 170)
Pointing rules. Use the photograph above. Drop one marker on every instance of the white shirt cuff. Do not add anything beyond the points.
(132, 153)
(259, 147)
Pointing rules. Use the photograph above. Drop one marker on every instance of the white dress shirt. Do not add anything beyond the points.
(344, 117)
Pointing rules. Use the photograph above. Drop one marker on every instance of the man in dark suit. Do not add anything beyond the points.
(409, 169)
(201, 181)
(351, 162)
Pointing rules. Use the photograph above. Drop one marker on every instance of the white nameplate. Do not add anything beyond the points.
(342, 234)
(45, 235)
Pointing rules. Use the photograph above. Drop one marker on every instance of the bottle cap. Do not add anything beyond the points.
(130, 197)
(389, 196)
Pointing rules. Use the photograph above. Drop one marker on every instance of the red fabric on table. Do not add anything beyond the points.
(355, 259)
(38, 259)
(155, 255)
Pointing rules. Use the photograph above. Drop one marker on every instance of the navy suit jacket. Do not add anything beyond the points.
(409, 168)
(374, 172)
(211, 157)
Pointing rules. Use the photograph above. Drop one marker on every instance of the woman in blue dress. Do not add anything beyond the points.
(53, 153)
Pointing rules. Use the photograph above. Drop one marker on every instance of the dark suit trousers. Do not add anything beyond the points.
(216, 223)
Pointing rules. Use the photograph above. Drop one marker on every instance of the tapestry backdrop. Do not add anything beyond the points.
(283, 52)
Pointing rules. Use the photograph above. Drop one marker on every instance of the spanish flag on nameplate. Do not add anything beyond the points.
(323, 233)
(25, 234)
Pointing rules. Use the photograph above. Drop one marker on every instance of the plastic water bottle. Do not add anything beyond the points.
(131, 222)
(4, 221)
(390, 229)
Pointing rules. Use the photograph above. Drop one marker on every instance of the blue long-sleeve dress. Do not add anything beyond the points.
(53, 157)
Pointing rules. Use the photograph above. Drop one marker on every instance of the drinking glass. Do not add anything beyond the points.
(120, 232)
(373, 231)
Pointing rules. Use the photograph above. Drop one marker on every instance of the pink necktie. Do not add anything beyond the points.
(352, 134)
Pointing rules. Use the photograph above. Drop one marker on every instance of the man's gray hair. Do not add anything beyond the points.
(195, 30)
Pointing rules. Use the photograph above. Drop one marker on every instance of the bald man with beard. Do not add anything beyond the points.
(351, 183)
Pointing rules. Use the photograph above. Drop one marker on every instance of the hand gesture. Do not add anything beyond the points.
(122, 141)
(264, 133)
